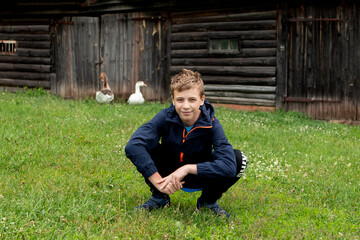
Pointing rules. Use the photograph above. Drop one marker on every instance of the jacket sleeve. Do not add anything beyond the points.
(142, 141)
(224, 162)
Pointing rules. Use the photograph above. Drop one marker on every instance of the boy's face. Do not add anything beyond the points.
(187, 103)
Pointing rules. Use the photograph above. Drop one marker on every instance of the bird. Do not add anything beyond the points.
(105, 95)
(137, 97)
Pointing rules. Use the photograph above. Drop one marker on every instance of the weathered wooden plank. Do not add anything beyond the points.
(24, 83)
(31, 60)
(225, 70)
(241, 101)
(203, 36)
(25, 67)
(258, 44)
(281, 60)
(204, 44)
(240, 95)
(249, 52)
(179, 18)
(25, 75)
(240, 88)
(30, 52)
(225, 26)
(25, 37)
(266, 81)
(25, 29)
(189, 45)
(250, 61)
(32, 44)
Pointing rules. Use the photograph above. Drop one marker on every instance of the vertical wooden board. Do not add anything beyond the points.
(64, 62)
(86, 49)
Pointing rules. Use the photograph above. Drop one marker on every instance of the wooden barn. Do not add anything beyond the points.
(300, 56)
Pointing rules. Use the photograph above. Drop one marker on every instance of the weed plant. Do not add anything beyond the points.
(64, 175)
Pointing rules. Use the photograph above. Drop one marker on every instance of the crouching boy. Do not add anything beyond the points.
(184, 147)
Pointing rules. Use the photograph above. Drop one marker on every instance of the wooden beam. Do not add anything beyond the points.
(268, 81)
(24, 83)
(240, 88)
(25, 37)
(203, 36)
(25, 67)
(249, 52)
(240, 95)
(178, 18)
(25, 29)
(31, 60)
(241, 101)
(228, 71)
(250, 61)
(25, 75)
(225, 26)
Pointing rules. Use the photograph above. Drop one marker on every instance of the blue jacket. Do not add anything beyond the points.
(205, 145)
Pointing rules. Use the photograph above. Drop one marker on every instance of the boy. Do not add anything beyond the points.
(193, 153)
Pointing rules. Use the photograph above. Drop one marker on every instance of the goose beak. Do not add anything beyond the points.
(145, 85)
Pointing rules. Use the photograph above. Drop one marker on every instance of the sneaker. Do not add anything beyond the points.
(215, 207)
(154, 203)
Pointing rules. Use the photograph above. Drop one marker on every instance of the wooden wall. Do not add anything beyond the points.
(128, 47)
(246, 77)
(322, 77)
(31, 65)
(77, 53)
(133, 48)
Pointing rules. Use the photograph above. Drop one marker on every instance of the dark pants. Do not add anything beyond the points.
(212, 188)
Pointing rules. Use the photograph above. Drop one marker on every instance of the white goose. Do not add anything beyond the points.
(105, 95)
(137, 97)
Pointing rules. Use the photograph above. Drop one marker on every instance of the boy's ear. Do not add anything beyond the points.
(203, 100)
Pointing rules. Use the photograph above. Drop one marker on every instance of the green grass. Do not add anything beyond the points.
(64, 175)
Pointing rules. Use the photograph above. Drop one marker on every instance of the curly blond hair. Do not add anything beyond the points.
(185, 80)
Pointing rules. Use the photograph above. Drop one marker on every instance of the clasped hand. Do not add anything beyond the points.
(173, 182)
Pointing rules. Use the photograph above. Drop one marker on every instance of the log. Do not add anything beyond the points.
(258, 44)
(240, 88)
(17, 59)
(204, 44)
(25, 37)
(24, 83)
(25, 75)
(241, 101)
(203, 36)
(256, 61)
(269, 81)
(25, 29)
(240, 95)
(189, 45)
(225, 26)
(228, 71)
(25, 67)
(249, 52)
(178, 18)
(29, 52)
(28, 44)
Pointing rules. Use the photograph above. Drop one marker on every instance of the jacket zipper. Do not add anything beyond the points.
(186, 135)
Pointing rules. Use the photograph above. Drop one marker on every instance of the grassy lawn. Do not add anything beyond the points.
(64, 175)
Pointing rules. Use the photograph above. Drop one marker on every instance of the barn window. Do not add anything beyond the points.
(7, 47)
(224, 45)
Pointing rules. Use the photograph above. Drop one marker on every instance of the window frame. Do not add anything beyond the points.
(12, 50)
(224, 51)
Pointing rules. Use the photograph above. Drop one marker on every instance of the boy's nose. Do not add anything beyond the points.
(186, 104)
